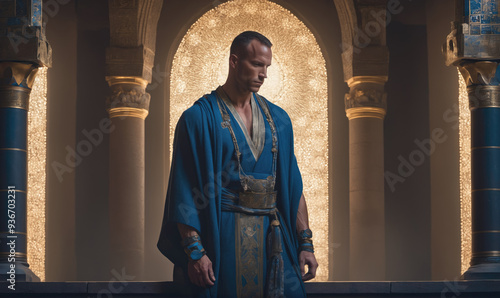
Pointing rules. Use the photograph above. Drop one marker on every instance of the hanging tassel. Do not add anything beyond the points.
(275, 277)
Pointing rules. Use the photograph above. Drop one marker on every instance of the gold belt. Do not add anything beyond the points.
(257, 200)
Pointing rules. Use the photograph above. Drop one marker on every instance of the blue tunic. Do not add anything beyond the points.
(203, 167)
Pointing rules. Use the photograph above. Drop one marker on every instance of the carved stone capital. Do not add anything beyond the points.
(17, 74)
(16, 80)
(483, 83)
(480, 73)
(366, 92)
(128, 97)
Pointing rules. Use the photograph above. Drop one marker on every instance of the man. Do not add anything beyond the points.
(236, 222)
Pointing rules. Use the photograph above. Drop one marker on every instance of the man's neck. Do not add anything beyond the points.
(238, 98)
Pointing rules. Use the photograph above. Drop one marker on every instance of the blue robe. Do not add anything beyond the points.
(202, 168)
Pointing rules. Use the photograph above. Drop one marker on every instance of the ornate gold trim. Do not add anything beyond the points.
(263, 200)
(15, 88)
(478, 72)
(249, 258)
(22, 73)
(116, 80)
(13, 107)
(486, 189)
(17, 190)
(365, 112)
(483, 96)
(14, 149)
(367, 79)
(128, 112)
(14, 97)
(487, 253)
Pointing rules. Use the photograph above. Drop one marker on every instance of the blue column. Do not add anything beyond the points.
(15, 86)
(484, 97)
(13, 184)
(474, 47)
(23, 49)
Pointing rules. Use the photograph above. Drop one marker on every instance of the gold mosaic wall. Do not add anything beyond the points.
(297, 82)
(37, 152)
(465, 174)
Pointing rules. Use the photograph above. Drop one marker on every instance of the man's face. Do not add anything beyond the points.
(251, 70)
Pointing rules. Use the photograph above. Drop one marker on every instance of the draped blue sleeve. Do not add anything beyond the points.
(288, 180)
(288, 184)
(193, 195)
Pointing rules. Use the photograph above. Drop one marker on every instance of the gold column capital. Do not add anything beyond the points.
(478, 72)
(16, 81)
(366, 98)
(482, 83)
(128, 97)
(19, 74)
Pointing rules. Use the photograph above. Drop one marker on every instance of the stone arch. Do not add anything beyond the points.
(348, 19)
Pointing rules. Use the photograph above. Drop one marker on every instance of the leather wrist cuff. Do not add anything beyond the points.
(195, 251)
(307, 233)
(190, 240)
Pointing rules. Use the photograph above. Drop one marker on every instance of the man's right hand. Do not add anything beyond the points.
(201, 273)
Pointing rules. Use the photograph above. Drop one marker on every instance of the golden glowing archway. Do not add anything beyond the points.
(37, 161)
(297, 82)
(465, 175)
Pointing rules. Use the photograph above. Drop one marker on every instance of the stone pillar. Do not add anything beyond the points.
(129, 63)
(127, 107)
(366, 67)
(474, 47)
(23, 49)
(366, 108)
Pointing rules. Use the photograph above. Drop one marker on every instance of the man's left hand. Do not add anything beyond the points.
(308, 258)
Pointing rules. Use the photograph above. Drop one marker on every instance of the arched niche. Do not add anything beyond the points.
(297, 82)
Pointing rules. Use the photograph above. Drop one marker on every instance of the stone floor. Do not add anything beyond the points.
(441, 289)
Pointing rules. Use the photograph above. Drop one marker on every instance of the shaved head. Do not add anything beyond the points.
(241, 42)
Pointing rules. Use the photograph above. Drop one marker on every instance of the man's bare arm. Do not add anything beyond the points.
(305, 257)
(302, 216)
(186, 231)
